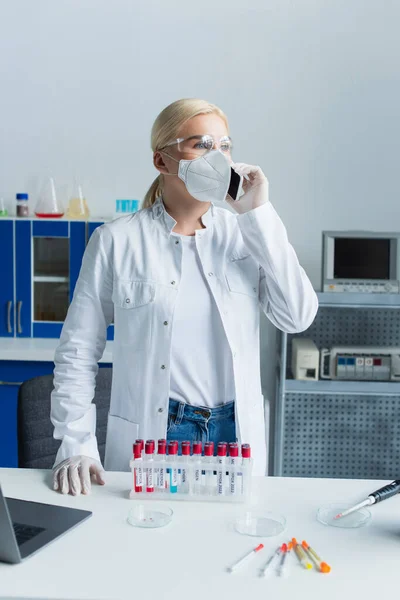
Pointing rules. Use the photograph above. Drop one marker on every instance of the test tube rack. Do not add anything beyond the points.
(192, 481)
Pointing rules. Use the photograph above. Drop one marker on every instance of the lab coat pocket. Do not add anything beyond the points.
(133, 311)
(242, 275)
(121, 434)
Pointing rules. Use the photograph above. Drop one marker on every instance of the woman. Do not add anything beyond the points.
(184, 281)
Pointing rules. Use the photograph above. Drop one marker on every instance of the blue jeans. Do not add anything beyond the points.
(201, 424)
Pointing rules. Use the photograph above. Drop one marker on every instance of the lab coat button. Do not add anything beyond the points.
(127, 300)
(160, 410)
(165, 322)
(163, 366)
(172, 282)
(210, 274)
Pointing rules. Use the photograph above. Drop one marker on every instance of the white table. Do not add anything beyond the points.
(38, 349)
(107, 558)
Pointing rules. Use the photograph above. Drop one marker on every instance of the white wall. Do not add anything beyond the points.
(312, 89)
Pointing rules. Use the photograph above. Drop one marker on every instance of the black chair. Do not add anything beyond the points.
(37, 448)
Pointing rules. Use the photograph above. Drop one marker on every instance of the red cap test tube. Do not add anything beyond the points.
(138, 470)
(197, 448)
(149, 451)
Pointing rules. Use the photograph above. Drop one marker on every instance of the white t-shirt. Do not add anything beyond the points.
(201, 360)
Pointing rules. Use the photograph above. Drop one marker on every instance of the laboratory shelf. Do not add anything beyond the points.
(328, 386)
(50, 279)
(339, 428)
(358, 300)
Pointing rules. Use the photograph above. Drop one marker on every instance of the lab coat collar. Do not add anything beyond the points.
(169, 222)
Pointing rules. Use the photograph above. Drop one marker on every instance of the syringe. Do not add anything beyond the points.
(301, 555)
(265, 569)
(322, 565)
(281, 570)
(382, 494)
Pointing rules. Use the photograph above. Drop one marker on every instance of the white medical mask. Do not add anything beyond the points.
(207, 177)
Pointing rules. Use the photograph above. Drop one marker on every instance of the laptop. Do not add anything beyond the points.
(26, 527)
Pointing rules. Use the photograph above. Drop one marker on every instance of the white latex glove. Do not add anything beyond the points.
(73, 475)
(255, 188)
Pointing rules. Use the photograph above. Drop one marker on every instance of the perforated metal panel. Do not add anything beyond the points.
(358, 326)
(341, 436)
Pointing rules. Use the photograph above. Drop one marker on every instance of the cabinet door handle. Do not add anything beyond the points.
(19, 308)
(10, 382)
(9, 305)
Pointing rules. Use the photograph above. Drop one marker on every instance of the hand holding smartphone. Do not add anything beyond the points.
(235, 189)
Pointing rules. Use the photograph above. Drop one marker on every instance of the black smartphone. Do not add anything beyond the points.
(235, 185)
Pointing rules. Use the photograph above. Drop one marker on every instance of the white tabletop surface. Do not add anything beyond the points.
(38, 349)
(106, 558)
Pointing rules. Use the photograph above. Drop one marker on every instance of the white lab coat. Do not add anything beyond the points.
(131, 272)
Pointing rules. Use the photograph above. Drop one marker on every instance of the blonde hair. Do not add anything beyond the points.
(166, 128)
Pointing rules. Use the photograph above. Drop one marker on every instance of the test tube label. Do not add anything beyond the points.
(139, 476)
(220, 482)
(173, 480)
(232, 482)
(174, 477)
(150, 479)
(161, 478)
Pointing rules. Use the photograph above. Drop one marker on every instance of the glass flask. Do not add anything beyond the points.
(48, 205)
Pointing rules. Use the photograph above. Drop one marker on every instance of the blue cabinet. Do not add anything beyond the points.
(7, 325)
(41, 261)
(12, 374)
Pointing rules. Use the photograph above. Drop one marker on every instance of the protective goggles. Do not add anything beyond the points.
(198, 145)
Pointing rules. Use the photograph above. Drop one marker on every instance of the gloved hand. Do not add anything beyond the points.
(73, 475)
(255, 188)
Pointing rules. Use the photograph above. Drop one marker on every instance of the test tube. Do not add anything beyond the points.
(137, 467)
(161, 481)
(246, 456)
(221, 460)
(149, 455)
(196, 460)
(173, 471)
(209, 472)
(185, 459)
(141, 442)
(233, 462)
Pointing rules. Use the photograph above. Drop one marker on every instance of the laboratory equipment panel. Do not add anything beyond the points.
(338, 427)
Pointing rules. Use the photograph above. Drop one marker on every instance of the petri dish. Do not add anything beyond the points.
(326, 515)
(150, 516)
(260, 524)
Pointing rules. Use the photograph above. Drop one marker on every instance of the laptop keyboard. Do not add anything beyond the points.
(24, 533)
